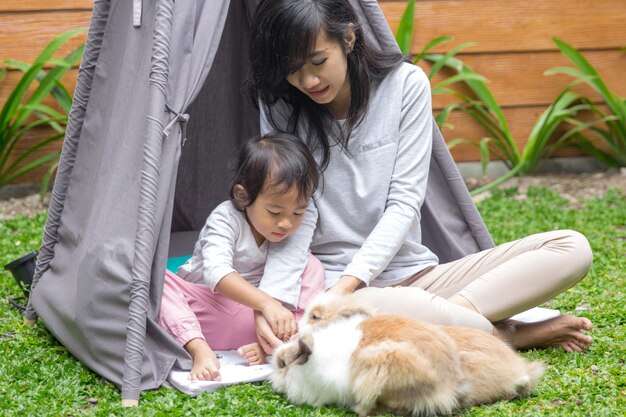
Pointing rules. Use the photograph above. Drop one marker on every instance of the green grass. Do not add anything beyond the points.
(38, 377)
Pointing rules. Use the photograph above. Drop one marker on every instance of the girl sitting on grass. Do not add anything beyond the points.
(212, 302)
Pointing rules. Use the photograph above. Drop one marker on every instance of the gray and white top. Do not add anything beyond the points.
(226, 244)
(365, 220)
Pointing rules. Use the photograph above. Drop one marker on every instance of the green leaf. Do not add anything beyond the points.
(46, 85)
(447, 59)
(29, 167)
(616, 105)
(464, 77)
(17, 111)
(459, 141)
(404, 34)
(433, 43)
(484, 155)
(9, 109)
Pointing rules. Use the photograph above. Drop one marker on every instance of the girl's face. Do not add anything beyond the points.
(275, 214)
(324, 77)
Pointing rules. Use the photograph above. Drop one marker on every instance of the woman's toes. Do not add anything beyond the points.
(586, 324)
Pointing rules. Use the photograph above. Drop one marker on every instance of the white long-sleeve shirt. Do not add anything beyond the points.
(365, 220)
(225, 244)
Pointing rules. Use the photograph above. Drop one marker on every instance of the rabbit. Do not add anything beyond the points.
(495, 370)
(346, 356)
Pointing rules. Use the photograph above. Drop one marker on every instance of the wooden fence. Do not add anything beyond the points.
(513, 48)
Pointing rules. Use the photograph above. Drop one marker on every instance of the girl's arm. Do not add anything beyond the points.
(279, 318)
(407, 188)
(216, 252)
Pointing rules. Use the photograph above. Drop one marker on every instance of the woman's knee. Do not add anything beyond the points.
(580, 253)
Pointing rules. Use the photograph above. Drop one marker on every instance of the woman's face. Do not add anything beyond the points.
(324, 77)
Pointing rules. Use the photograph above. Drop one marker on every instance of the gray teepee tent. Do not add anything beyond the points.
(159, 107)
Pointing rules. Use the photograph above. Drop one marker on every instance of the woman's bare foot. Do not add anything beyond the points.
(565, 331)
(254, 353)
(205, 363)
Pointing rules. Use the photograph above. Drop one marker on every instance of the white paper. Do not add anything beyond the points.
(536, 314)
(233, 369)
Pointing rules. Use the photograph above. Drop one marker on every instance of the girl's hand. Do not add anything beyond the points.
(264, 333)
(280, 319)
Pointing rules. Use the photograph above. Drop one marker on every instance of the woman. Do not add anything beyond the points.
(367, 116)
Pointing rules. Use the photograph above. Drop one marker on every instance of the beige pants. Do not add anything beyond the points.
(498, 282)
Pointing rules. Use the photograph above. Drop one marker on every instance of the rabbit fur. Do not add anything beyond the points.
(349, 357)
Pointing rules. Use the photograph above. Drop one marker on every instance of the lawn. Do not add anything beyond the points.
(38, 377)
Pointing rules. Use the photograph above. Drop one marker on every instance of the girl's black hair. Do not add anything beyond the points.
(279, 160)
(284, 35)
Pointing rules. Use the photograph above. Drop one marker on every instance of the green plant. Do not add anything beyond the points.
(614, 135)
(24, 112)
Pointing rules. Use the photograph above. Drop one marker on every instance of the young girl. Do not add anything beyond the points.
(211, 302)
(368, 119)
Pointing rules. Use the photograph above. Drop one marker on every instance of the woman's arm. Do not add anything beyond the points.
(347, 284)
(407, 187)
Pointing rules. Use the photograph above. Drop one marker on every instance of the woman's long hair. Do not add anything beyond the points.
(284, 35)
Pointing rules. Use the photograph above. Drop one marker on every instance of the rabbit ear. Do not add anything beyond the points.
(305, 345)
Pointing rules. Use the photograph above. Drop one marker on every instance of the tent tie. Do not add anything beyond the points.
(137, 9)
(182, 119)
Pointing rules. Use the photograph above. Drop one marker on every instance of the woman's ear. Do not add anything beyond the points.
(350, 38)
(241, 196)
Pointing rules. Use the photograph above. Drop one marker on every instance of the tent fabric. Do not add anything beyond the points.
(70, 144)
(128, 189)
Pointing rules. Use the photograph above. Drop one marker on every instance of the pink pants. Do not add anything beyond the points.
(190, 311)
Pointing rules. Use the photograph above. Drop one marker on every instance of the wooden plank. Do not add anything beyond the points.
(520, 120)
(513, 25)
(38, 5)
(519, 80)
(7, 84)
(24, 35)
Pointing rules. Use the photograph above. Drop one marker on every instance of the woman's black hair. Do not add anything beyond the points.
(278, 160)
(284, 35)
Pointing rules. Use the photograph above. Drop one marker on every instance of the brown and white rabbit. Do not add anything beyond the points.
(386, 363)
(394, 363)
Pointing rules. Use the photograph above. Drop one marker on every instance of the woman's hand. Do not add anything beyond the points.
(347, 284)
(280, 319)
